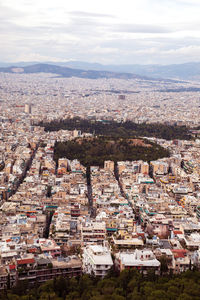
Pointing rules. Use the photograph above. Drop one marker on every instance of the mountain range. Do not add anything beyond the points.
(65, 71)
(187, 71)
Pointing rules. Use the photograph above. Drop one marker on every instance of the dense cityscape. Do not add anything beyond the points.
(63, 218)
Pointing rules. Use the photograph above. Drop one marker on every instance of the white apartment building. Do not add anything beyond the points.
(97, 260)
(142, 260)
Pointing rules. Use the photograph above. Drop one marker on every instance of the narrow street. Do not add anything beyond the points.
(27, 168)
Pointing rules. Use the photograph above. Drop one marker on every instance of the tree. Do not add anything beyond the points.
(163, 264)
(184, 297)
(21, 287)
(159, 294)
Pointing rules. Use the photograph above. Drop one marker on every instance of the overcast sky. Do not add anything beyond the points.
(105, 31)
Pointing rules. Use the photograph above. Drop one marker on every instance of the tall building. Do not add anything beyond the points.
(27, 108)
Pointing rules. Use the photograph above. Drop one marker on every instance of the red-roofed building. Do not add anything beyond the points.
(181, 260)
(28, 262)
(179, 252)
(26, 270)
(12, 270)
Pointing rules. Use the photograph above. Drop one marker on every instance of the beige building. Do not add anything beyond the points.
(109, 165)
(27, 108)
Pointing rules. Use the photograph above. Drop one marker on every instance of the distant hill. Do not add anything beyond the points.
(187, 71)
(68, 72)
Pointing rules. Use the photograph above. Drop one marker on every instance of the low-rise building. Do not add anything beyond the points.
(142, 260)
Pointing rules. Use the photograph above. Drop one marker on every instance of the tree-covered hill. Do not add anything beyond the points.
(94, 151)
(128, 285)
(123, 129)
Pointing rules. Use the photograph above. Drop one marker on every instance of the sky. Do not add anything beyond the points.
(103, 31)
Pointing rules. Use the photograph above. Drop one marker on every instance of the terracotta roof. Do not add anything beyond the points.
(178, 232)
(25, 261)
(179, 253)
(12, 267)
(179, 250)
(32, 250)
(140, 234)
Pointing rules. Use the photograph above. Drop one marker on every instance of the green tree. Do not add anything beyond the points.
(159, 294)
(163, 264)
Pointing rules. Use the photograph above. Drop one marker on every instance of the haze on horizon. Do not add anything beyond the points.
(106, 31)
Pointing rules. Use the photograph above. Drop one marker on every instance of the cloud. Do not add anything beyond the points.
(128, 32)
(141, 28)
(180, 3)
(85, 14)
(187, 50)
(9, 13)
(187, 2)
